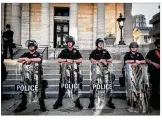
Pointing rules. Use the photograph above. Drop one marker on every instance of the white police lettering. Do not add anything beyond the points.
(26, 87)
(69, 85)
(101, 86)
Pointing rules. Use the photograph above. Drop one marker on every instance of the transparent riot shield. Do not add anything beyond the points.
(71, 79)
(101, 84)
(29, 78)
(137, 87)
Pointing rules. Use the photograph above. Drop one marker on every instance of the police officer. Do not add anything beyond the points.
(69, 55)
(153, 61)
(100, 55)
(7, 41)
(28, 57)
(134, 58)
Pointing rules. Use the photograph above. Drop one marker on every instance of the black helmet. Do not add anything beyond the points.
(70, 39)
(8, 26)
(133, 44)
(99, 40)
(31, 43)
(157, 41)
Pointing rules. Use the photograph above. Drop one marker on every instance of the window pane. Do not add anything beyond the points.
(64, 37)
(58, 28)
(65, 28)
(58, 39)
(65, 14)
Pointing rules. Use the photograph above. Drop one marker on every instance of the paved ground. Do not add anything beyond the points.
(7, 107)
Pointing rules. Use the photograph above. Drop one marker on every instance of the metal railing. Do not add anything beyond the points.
(45, 50)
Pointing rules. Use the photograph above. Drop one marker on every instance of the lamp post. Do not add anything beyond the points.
(121, 23)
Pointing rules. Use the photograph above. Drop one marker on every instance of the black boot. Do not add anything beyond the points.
(58, 103)
(42, 104)
(110, 103)
(78, 104)
(22, 105)
(92, 99)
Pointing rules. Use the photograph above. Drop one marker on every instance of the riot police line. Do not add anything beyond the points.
(136, 77)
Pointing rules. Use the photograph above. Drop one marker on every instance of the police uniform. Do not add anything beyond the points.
(29, 76)
(29, 55)
(131, 56)
(74, 54)
(100, 70)
(154, 56)
(7, 42)
(67, 54)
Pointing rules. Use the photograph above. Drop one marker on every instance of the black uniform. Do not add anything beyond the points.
(100, 54)
(67, 54)
(29, 55)
(8, 40)
(74, 54)
(131, 56)
(154, 78)
(97, 55)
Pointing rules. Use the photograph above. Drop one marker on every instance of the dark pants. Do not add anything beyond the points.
(6, 46)
(155, 94)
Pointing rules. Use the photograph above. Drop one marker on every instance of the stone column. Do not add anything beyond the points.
(45, 22)
(51, 26)
(73, 31)
(128, 24)
(25, 23)
(2, 16)
(101, 20)
(16, 22)
(94, 24)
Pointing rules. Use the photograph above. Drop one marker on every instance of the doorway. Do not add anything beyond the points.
(61, 26)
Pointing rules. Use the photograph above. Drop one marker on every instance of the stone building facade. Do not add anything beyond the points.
(141, 35)
(49, 23)
(139, 21)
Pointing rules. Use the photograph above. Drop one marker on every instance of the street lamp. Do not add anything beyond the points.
(121, 23)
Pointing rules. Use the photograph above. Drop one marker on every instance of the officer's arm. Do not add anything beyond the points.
(20, 60)
(142, 62)
(35, 60)
(109, 60)
(93, 60)
(60, 60)
(78, 60)
(150, 62)
(129, 61)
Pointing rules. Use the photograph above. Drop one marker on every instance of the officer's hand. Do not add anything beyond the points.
(69, 61)
(134, 64)
(27, 60)
(23, 62)
(156, 65)
(138, 62)
(103, 61)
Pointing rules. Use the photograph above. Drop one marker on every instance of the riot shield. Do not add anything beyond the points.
(71, 79)
(28, 81)
(137, 87)
(101, 84)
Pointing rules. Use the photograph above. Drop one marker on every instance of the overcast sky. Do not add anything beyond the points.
(147, 9)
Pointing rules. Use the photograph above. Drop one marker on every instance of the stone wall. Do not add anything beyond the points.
(87, 21)
(85, 25)
(25, 23)
(8, 13)
(35, 15)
